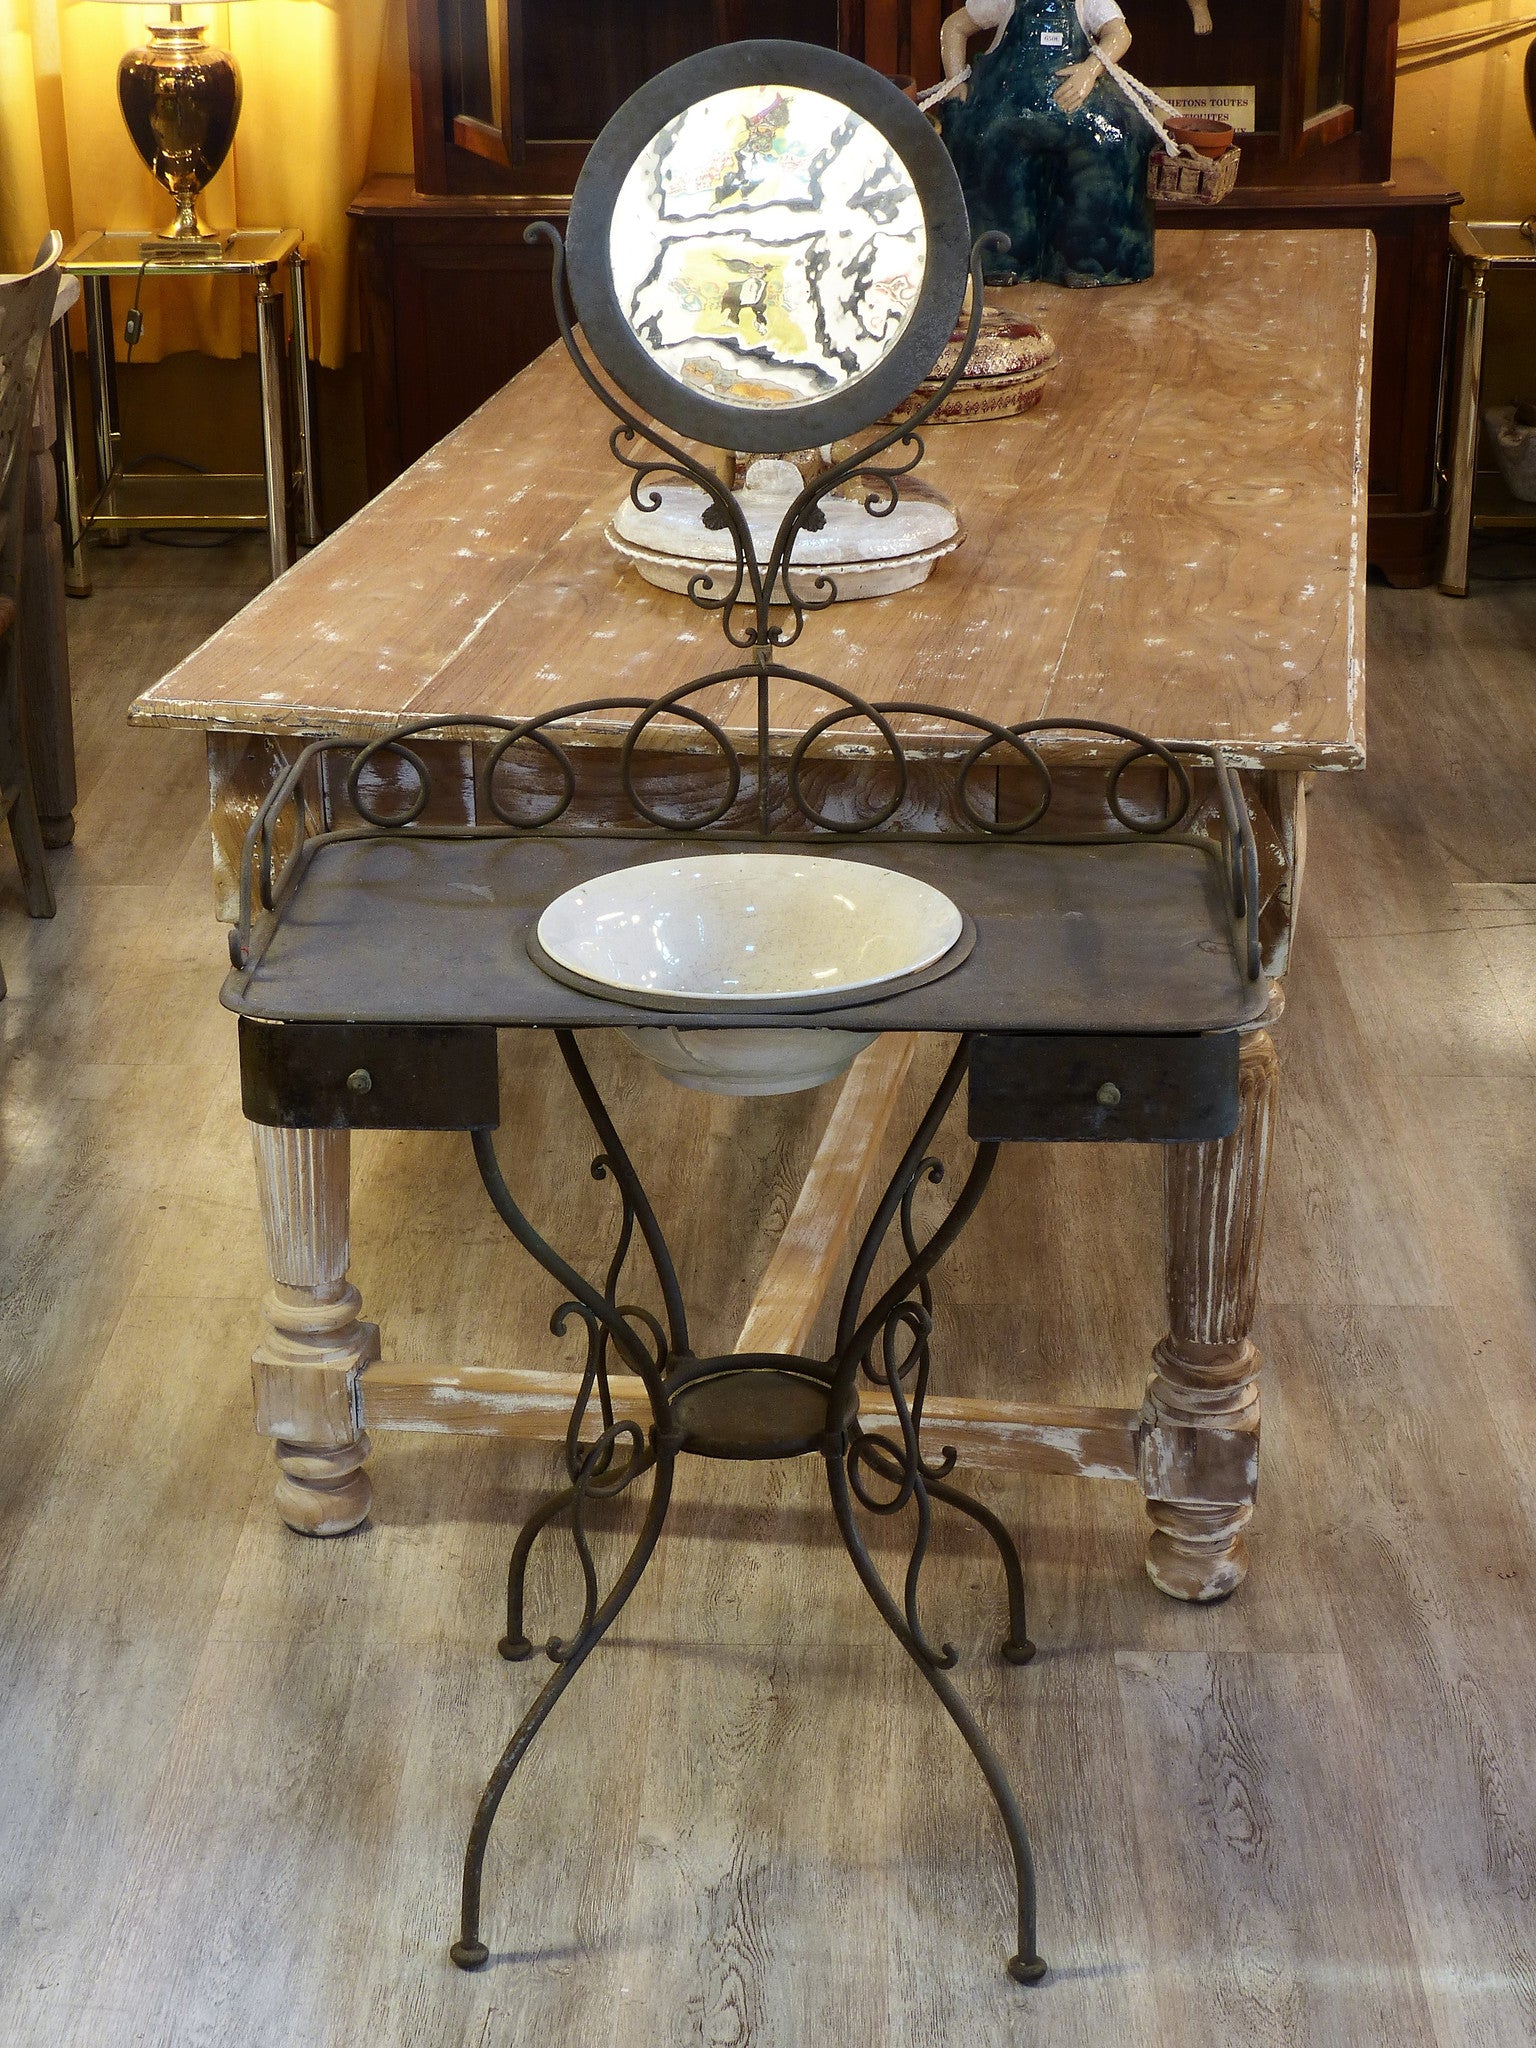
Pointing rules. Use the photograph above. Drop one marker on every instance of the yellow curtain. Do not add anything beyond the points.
(1462, 103)
(306, 141)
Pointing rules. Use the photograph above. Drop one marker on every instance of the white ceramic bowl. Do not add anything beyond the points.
(737, 930)
(749, 1062)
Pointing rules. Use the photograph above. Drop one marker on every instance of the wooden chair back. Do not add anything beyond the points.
(26, 307)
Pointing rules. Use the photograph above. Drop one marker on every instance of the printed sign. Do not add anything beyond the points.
(1234, 103)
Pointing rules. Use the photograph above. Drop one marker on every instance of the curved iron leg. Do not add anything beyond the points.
(887, 1459)
(1017, 1648)
(516, 1645)
(469, 1951)
(1026, 1965)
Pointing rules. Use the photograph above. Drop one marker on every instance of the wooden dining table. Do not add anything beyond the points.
(1172, 541)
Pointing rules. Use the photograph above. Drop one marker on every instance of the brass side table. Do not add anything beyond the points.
(284, 490)
(1478, 502)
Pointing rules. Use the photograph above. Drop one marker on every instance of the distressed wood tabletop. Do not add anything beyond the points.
(1173, 540)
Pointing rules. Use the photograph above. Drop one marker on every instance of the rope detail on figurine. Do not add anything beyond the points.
(946, 86)
(1144, 99)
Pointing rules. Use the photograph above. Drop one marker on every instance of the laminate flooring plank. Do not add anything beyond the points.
(1057, 1726)
(52, 1018)
(1371, 866)
(558, 1874)
(1506, 935)
(758, 1561)
(250, 1893)
(1437, 1631)
(1272, 1903)
(1493, 633)
(81, 1207)
(1495, 906)
(760, 1893)
(1432, 1005)
(111, 1581)
(1474, 1170)
(138, 806)
(1455, 718)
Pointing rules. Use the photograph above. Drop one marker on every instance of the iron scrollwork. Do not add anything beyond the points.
(265, 882)
(600, 1470)
(743, 596)
(887, 1343)
(881, 481)
(890, 1346)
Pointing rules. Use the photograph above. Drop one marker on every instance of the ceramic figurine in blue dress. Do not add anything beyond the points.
(1048, 147)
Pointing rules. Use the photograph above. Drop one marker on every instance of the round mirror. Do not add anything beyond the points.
(768, 246)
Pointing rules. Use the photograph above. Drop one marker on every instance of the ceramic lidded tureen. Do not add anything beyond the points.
(1006, 373)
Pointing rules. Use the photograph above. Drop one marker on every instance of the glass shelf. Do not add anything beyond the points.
(146, 499)
(125, 252)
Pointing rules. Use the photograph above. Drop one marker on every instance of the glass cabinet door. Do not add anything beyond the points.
(1332, 34)
(1309, 82)
(528, 79)
(1325, 67)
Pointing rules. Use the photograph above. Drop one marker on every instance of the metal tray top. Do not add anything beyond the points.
(418, 927)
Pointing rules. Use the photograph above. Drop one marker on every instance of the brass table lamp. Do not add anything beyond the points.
(181, 100)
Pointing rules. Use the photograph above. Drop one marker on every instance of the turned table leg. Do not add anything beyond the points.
(305, 1368)
(1207, 1365)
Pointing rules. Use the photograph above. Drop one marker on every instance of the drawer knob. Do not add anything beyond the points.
(360, 1081)
(1109, 1095)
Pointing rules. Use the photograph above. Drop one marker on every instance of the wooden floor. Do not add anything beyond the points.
(236, 1767)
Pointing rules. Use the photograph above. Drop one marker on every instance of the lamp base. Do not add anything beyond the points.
(181, 102)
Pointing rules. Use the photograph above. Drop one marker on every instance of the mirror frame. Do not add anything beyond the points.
(764, 430)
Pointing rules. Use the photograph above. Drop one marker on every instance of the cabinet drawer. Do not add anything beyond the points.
(369, 1077)
(1096, 1089)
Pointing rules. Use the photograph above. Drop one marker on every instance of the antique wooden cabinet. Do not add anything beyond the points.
(506, 95)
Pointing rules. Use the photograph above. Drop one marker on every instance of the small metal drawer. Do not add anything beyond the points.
(369, 1077)
(1095, 1089)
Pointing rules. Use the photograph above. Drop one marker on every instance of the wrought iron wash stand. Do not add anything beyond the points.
(1098, 994)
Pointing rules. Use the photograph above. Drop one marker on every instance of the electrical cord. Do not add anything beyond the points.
(133, 326)
(1463, 42)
